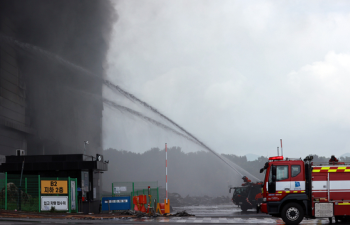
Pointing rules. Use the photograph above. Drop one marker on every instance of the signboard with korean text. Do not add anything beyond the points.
(117, 190)
(116, 203)
(85, 181)
(72, 194)
(54, 187)
(60, 203)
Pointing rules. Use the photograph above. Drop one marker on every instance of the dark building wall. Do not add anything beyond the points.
(13, 120)
(53, 108)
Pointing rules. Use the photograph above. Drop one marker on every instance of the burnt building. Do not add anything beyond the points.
(48, 107)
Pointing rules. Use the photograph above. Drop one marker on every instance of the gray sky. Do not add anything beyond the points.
(239, 75)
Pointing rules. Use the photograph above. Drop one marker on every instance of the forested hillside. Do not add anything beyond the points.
(195, 173)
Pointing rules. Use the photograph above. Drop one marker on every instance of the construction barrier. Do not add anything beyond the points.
(116, 203)
(136, 189)
(160, 208)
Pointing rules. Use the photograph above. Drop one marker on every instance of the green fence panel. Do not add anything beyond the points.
(3, 190)
(158, 195)
(6, 191)
(69, 197)
(39, 185)
(76, 194)
(145, 185)
(122, 188)
(28, 191)
(132, 195)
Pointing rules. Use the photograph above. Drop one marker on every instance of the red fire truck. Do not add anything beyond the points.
(248, 196)
(295, 188)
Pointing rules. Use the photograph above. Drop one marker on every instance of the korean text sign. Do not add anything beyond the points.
(54, 187)
(58, 202)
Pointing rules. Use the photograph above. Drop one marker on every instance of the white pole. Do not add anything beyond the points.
(281, 147)
(166, 173)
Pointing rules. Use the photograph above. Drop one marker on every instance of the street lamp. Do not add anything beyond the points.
(85, 143)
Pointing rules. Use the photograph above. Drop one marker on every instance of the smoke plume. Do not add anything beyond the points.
(51, 38)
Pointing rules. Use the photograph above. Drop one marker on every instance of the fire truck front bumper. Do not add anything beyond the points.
(263, 208)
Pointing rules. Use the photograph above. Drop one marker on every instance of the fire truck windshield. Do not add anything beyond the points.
(239, 190)
(282, 173)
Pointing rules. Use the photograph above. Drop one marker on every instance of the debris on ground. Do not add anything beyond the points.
(128, 214)
(61, 215)
(182, 214)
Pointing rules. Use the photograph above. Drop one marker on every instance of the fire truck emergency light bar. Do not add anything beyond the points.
(276, 158)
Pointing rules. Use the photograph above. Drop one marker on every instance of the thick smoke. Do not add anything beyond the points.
(73, 33)
(79, 31)
(128, 95)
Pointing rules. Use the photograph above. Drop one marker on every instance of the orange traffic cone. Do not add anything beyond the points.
(136, 208)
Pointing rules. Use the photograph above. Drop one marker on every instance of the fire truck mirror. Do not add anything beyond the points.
(266, 165)
(261, 170)
(273, 171)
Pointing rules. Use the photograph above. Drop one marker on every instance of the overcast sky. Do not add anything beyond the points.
(239, 75)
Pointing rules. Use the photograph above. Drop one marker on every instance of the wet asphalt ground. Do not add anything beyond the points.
(220, 214)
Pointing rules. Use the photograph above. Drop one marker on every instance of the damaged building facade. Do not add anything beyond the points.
(46, 107)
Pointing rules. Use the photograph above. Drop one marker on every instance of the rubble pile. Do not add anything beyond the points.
(139, 214)
(127, 212)
(182, 214)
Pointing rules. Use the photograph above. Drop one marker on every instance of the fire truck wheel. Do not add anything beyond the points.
(244, 208)
(337, 219)
(292, 213)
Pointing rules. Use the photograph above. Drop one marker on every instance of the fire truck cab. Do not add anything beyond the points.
(295, 188)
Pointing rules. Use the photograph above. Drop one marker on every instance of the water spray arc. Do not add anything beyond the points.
(148, 119)
(131, 96)
(161, 125)
(128, 95)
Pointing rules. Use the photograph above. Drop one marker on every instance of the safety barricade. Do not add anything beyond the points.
(115, 203)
